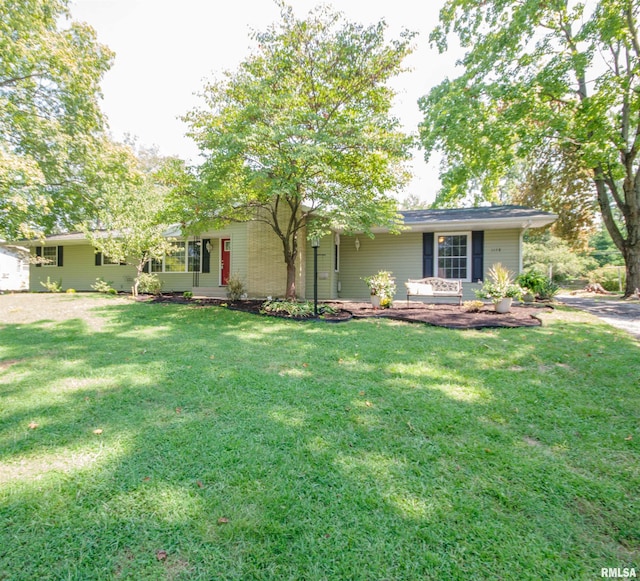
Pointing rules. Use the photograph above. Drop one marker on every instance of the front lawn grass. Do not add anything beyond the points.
(231, 446)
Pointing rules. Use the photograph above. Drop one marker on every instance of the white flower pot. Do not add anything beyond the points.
(375, 301)
(503, 305)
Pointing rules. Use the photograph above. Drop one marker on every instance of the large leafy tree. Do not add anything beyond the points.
(128, 223)
(553, 85)
(301, 134)
(50, 120)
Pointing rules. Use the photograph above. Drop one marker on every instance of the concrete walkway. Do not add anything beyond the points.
(621, 314)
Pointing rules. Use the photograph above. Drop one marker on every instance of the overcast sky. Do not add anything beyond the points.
(166, 49)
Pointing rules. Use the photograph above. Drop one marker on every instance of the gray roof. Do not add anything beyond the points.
(474, 214)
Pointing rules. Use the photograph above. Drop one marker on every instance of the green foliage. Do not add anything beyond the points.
(382, 285)
(52, 286)
(187, 294)
(550, 92)
(612, 278)
(603, 250)
(548, 290)
(149, 283)
(102, 286)
(301, 135)
(71, 291)
(532, 281)
(500, 285)
(51, 127)
(131, 219)
(235, 287)
(297, 309)
(550, 252)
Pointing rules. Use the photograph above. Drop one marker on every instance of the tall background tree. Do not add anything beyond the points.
(128, 225)
(550, 91)
(51, 127)
(301, 134)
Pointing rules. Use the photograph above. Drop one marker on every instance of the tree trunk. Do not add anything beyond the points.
(136, 282)
(291, 278)
(632, 261)
(628, 242)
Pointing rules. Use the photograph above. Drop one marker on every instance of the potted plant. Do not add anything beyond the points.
(382, 288)
(500, 288)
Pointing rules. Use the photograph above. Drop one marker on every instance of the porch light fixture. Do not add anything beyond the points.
(357, 243)
(209, 247)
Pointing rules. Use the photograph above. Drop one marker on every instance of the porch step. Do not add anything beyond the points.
(214, 292)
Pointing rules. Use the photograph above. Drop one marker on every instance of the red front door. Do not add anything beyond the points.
(225, 260)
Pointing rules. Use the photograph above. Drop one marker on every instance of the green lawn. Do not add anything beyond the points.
(241, 447)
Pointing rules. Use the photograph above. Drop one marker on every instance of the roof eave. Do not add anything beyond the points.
(508, 223)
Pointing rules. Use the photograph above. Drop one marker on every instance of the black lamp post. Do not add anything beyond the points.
(315, 242)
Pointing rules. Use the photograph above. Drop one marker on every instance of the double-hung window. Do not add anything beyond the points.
(50, 256)
(184, 257)
(454, 256)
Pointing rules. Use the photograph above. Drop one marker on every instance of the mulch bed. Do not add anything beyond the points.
(440, 315)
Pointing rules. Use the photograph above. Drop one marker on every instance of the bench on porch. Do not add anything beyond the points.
(433, 286)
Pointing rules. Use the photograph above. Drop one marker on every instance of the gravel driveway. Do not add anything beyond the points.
(618, 313)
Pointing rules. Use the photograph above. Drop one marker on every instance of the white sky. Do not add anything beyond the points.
(166, 49)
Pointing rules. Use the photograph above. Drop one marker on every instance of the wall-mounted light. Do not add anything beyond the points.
(337, 239)
(209, 247)
(357, 243)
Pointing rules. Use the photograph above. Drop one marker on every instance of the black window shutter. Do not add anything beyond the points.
(60, 261)
(39, 254)
(147, 266)
(477, 255)
(427, 254)
(206, 256)
(98, 258)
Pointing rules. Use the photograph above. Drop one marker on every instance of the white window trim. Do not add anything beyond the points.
(54, 263)
(437, 256)
(186, 261)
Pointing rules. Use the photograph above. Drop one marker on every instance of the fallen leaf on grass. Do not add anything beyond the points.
(178, 410)
(97, 432)
(629, 438)
(223, 520)
(146, 478)
(199, 483)
(33, 425)
(305, 365)
(361, 393)
(161, 555)
(368, 404)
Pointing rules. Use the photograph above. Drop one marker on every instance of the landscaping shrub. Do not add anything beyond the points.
(52, 287)
(149, 284)
(102, 286)
(472, 306)
(300, 309)
(235, 287)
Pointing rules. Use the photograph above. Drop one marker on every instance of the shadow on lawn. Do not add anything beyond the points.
(366, 450)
